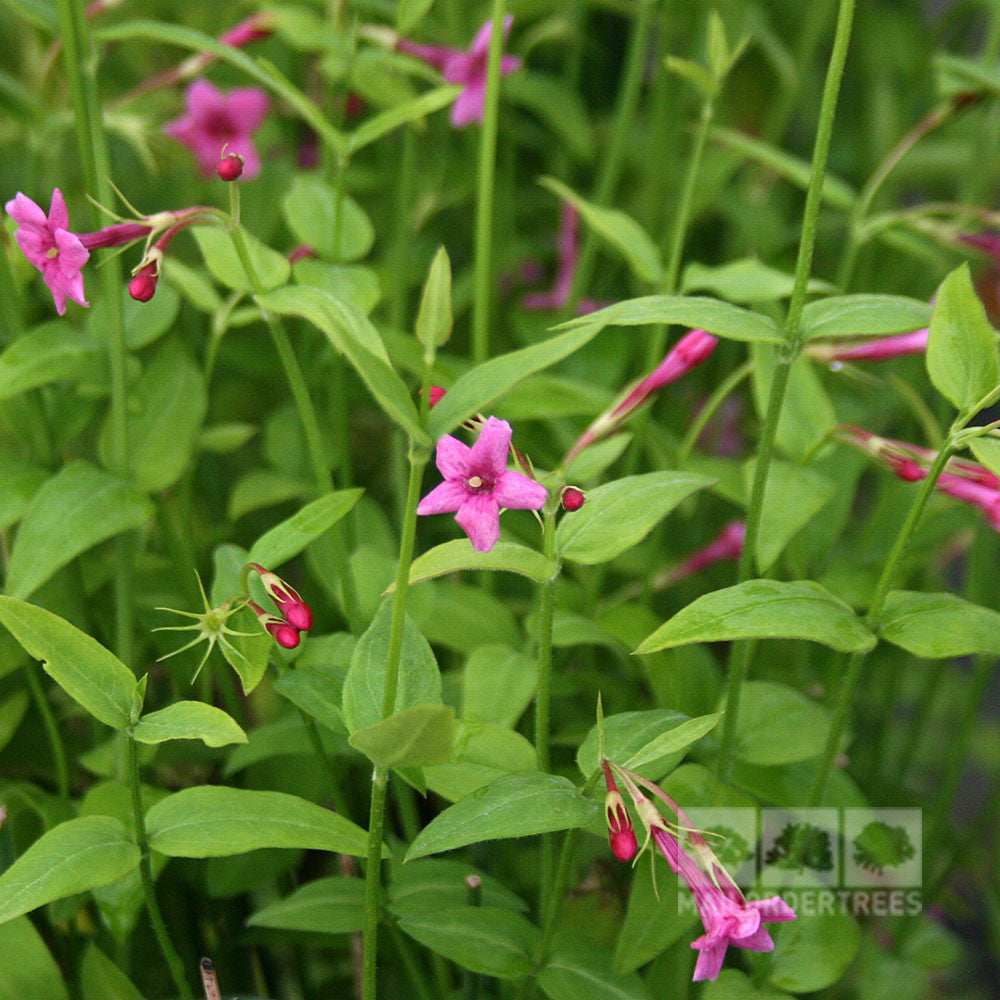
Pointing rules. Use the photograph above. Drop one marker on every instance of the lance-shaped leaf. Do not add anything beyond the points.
(578, 970)
(415, 737)
(47, 354)
(434, 319)
(317, 217)
(519, 805)
(294, 534)
(28, 967)
(457, 555)
(212, 821)
(78, 663)
(765, 609)
(618, 229)
(72, 857)
(325, 906)
(385, 121)
(216, 245)
(189, 720)
(864, 316)
(937, 626)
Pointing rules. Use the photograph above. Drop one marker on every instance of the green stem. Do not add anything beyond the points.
(705, 414)
(306, 411)
(173, 960)
(792, 332)
(483, 277)
(81, 72)
(316, 741)
(380, 780)
(614, 156)
(401, 244)
(845, 697)
(543, 695)
(51, 729)
(417, 976)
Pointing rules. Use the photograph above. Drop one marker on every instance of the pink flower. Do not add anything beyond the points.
(290, 605)
(728, 544)
(466, 68)
(215, 120)
(51, 247)
(477, 483)
(986, 498)
(873, 350)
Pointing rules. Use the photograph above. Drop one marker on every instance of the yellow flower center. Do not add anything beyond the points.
(475, 482)
(52, 253)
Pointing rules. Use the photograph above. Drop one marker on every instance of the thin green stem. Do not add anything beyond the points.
(306, 411)
(316, 741)
(380, 780)
(403, 234)
(792, 332)
(712, 404)
(173, 960)
(81, 72)
(416, 975)
(845, 697)
(614, 154)
(52, 733)
(483, 276)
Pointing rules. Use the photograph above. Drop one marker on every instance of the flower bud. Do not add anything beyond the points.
(621, 834)
(281, 632)
(572, 498)
(143, 286)
(230, 167)
(295, 611)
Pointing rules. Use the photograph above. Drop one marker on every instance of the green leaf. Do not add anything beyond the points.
(18, 485)
(628, 734)
(221, 258)
(354, 336)
(578, 969)
(779, 725)
(695, 311)
(385, 121)
(813, 952)
(310, 209)
(518, 805)
(211, 821)
(735, 985)
(77, 508)
(792, 498)
(938, 626)
(72, 857)
(457, 555)
(409, 13)
(28, 968)
(673, 740)
(413, 737)
(419, 678)
(620, 514)
(498, 684)
(618, 229)
(47, 354)
(435, 883)
(986, 449)
(324, 906)
(864, 316)
(485, 939)
(353, 283)
(764, 609)
(79, 664)
(693, 72)
(836, 192)
(478, 388)
(169, 406)
(294, 534)
(316, 691)
(747, 280)
(434, 319)
(558, 106)
(12, 711)
(962, 358)
(100, 977)
(261, 488)
(189, 720)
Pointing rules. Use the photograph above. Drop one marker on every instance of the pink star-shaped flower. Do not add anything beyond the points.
(51, 247)
(477, 483)
(466, 68)
(215, 120)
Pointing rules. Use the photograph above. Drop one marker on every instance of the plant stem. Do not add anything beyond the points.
(712, 404)
(483, 278)
(51, 728)
(792, 332)
(401, 242)
(845, 697)
(543, 695)
(81, 73)
(413, 970)
(173, 960)
(306, 411)
(614, 156)
(380, 779)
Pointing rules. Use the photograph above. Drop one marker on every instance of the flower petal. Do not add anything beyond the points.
(58, 213)
(458, 68)
(27, 214)
(247, 107)
(72, 253)
(519, 492)
(34, 245)
(443, 499)
(468, 106)
(710, 958)
(452, 458)
(760, 940)
(204, 99)
(488, 456)
(773, 910)
(479, 518)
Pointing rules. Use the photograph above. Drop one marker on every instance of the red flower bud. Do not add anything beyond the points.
(143, 286)
(295, 611)
(621, 834)
(281, 632)
(572, 498)
(230, 167)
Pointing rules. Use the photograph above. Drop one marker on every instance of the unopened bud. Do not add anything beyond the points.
(284, 634)
(572, 498)
(621, 834)
(143, 286)
(295, 611)
(230, 167)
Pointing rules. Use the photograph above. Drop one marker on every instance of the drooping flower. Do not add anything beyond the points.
(689, 352)
(290, 605)
(728, 544)
(477, 483)
(727, 916)
(466, 68)
(621, 833)
(283, 633)
(872, 350)
(214, 120)
(47, 242)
